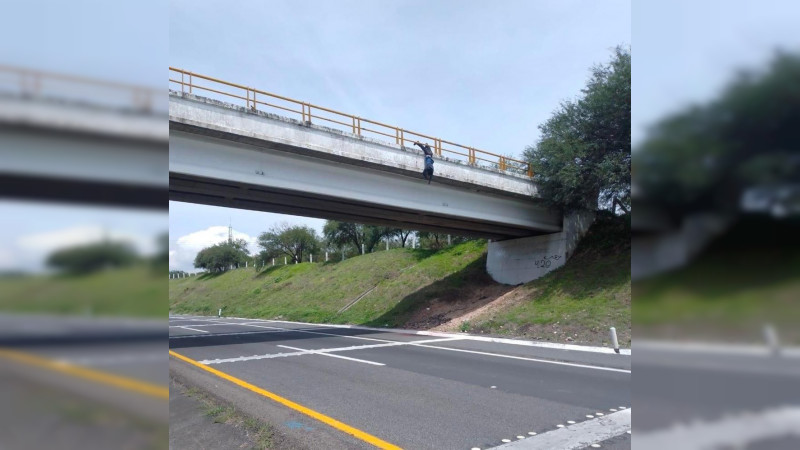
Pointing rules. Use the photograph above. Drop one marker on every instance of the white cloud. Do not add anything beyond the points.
(186, 247)
(29, 251)
(49, 241)
(7, 259)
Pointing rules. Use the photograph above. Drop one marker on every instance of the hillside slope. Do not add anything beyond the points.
(129, 292)
(316, 292)
(424, 289)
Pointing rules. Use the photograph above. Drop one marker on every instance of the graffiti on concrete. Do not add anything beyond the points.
(546, 261)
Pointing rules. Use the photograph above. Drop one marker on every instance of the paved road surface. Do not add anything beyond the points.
(691, 397)
(413, 391)
(82, 382)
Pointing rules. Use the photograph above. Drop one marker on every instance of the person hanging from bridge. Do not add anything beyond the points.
(427, 173)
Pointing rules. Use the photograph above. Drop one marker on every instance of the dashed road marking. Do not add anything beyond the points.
(576, 436)
(334, 356)
(731, 431)
(193, 329)
(545, 361)
(324, 350)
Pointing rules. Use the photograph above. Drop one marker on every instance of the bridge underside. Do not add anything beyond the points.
(221, 172)
(77, 167)
(185, 188)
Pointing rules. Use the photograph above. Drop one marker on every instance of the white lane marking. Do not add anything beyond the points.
(714, 348)
(185, 336)
(736, 431)
(389, 343)
(552, 345)
(557, 346)
(561, 425)
(520, 437)
(546, 361)
(595, 445)
(613, 410)
(315, 332)
(194, 329)
(589, 416)
(323, 350)
(579, 435)
(599, 414)
(334, 356)
(215, 324)
(570, 422)
(532, 433)
(506, 440)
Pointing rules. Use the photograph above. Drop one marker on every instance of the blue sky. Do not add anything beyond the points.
(478, 73)
(686, 51)
(116, 41)
(484, 74)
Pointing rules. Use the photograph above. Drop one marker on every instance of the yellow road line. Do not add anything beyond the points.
(366, 437)
(118, 381)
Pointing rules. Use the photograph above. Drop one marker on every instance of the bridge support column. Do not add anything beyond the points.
(518, 261)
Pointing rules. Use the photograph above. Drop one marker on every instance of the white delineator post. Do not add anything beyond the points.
(219, 314)
(311, 258)
(771, 336)
(362, 249)
(326, 256)
(614, 343)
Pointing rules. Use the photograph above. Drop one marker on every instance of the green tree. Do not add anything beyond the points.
(222, 256)
(343, 234)
(90, 258)
(292, 241)
(583, 159)
(705, 156)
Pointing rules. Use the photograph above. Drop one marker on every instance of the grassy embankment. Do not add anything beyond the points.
(446, 289)
(130, 292)
(748, 277)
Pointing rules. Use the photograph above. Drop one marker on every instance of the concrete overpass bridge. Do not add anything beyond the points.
(356, 170)
(72, 139)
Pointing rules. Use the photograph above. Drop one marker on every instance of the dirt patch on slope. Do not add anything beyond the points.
(449, 309)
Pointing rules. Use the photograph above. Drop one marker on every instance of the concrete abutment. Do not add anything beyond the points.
(518, 261)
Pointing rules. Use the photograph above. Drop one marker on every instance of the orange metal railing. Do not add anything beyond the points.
(36, 83)
(188, 82)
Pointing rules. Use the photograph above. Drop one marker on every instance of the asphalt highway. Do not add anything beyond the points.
(400, 388)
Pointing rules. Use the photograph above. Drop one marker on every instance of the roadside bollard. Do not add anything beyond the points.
(219, 314)
(614, 339)
(771, 336)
